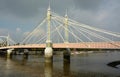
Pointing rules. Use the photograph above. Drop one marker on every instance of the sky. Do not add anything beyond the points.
(19, 17)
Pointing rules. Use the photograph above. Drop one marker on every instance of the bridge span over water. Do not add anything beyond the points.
(63, 32)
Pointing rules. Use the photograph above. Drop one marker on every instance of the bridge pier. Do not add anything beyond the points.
(48, 52)
(48, 49)
(66, 55)
(9, 55)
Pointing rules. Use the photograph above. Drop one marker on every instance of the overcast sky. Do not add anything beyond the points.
(18, 17)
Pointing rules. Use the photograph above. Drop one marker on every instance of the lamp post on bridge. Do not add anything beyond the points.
(48, 49)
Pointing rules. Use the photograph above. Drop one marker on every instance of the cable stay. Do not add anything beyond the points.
(44, 37)
(72, 34)
(5, 41)
(82, 33)
(59, 32)
(29, 36)
(88, 27)
(77, 32)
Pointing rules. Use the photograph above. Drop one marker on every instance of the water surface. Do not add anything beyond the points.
(85, 65)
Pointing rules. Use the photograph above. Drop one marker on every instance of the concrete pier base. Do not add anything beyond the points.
(66, 55)
(9, 55)
(48, 54)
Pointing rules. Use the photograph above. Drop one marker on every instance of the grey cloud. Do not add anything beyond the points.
(60, 6)
(112, 8)
(100, 13)
(31, 8)
(3, 31)
(92, 12)
(22, 8)
(89, 4)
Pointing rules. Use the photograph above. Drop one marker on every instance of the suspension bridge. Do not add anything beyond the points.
(57, 31)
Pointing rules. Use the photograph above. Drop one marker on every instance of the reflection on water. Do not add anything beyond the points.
(24, 61)
(8, 67)
(8, 63)
(91, 65)
(66, 68)
(48, 69)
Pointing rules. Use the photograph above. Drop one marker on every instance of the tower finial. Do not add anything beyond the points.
(49, 6)
(8, 34)
(66, 14)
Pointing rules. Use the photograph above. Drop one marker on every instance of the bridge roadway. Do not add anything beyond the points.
(83, 45)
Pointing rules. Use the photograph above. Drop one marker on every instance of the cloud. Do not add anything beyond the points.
(99, 13)
(18, 30)
(23, 15)
(91, 5)
(3, 32)
(35, 33)
(22, 8)
(15, 35)
(32, 8)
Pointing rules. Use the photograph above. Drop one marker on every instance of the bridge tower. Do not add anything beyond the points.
(66, 28)
(48, 49)
(9, 51)
(7, 40)
(66, 53)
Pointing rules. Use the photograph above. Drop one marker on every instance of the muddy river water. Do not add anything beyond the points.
(82, 65)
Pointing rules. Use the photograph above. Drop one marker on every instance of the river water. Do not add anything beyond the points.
(83, 65)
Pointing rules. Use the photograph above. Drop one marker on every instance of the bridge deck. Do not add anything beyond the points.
(85, 45)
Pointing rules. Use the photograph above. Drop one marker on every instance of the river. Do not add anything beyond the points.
(83, 65)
